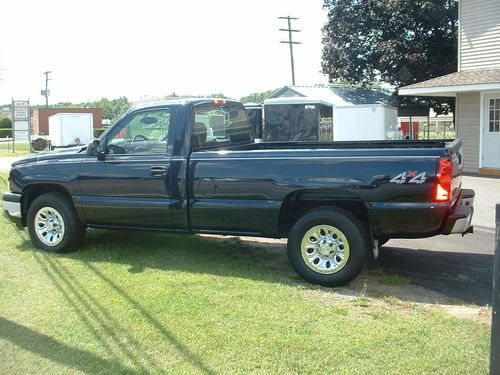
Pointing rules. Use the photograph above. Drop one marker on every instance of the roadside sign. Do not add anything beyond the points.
(21, 110)
(21, 120)
(22, 125)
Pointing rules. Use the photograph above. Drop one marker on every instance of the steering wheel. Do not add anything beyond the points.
(139, 137)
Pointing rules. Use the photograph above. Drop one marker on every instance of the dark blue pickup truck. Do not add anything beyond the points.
(191, 166)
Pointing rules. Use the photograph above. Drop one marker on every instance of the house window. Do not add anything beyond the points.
(494, 109)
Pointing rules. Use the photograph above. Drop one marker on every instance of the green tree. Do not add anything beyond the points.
(257, 97)
(112, 109)
(217, 95)
(399, 42)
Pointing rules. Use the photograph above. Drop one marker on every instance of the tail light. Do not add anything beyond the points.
(444, 177)
(220, 101)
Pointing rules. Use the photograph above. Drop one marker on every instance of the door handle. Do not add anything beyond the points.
(158, 170)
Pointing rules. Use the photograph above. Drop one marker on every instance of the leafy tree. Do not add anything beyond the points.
(258, 97)
(399, 42)
(217, 95)
(111, 109)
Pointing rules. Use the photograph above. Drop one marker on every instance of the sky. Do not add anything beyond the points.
(151, 48)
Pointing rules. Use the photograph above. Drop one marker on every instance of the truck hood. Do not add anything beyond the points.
(72, 152)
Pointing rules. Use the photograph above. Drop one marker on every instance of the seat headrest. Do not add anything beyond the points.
(199, 134)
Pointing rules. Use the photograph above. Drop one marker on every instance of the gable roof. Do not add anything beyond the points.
(337, 95)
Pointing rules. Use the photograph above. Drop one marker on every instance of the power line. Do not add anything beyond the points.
(290, 41)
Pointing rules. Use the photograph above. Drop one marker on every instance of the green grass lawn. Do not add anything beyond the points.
(20, 149)
(132, 302)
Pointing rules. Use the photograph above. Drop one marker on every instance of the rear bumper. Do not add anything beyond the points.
(459, 220)
(12, 207)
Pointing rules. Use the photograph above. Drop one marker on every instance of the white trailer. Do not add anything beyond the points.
(69, 129)
(365, 122)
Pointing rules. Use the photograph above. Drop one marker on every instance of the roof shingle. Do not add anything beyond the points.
(465, 77)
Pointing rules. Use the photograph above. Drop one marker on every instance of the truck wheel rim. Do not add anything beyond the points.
(49, 226)
(325, 249)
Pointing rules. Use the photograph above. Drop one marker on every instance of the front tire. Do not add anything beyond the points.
(328, 247)
(53, 224)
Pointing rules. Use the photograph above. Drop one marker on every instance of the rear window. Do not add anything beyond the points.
(218, 125)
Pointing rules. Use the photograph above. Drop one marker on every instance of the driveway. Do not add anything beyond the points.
(487, 197)
(5, 162)
(456, 266)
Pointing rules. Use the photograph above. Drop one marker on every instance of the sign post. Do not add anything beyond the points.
(21, 129)
(495, 324)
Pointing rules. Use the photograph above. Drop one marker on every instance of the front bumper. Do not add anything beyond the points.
(12, 207)
(459, 220)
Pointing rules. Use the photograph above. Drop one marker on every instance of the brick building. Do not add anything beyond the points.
(40, 117)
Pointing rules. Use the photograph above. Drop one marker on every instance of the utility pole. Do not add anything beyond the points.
(290, 41)
(46, 91)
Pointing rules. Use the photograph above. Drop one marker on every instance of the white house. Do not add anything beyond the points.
(476, 85)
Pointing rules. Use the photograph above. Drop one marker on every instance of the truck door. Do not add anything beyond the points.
(130, 186)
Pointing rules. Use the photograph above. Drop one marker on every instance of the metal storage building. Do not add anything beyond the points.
(307, 113)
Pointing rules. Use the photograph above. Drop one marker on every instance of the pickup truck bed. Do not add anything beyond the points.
(191, 166)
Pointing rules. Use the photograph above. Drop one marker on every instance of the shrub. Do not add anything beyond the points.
(5, 123)
(39, 144)
(98, 132)
(4, 133)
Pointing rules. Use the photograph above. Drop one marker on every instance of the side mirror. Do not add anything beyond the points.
(97, 150)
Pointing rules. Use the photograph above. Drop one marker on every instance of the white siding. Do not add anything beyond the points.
(468, 128)
(479, 34)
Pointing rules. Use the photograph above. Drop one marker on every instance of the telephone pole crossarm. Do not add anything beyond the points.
(290, 41)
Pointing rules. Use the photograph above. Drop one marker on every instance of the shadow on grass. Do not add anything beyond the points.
(49, 348)
(228, 257)
(104, 327)
(222, 257)
(457, 276)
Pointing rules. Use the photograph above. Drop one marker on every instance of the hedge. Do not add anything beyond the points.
(4, 133)
(5, 123)
(98, 132)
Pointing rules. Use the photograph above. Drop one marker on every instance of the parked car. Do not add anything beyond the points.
(169, 167)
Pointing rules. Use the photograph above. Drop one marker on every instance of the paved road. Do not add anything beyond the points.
(459, 267)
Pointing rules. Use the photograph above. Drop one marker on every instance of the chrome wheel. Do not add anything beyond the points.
(325, 249)
(49, 226)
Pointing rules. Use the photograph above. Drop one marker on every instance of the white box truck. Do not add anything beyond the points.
(365, 122)
(70, 129)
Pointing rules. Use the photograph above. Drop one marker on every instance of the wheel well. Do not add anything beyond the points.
(31, 192)
(298, 204)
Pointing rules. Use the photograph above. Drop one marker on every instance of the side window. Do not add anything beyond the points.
(218, 125)
(145, 133)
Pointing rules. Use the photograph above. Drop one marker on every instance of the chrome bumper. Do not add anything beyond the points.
(459, 221)
(12, 207)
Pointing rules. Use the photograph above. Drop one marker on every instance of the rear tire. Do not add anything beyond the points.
(328, 247)
(53, 224)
